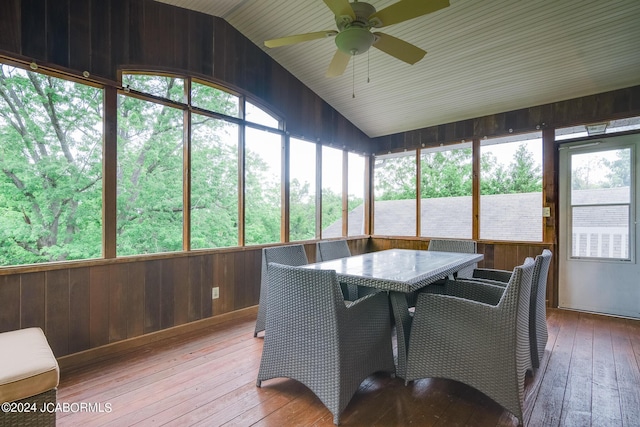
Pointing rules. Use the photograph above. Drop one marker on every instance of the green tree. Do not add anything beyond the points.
(446, 173)
(50, 156)
(395, 178)
(525, 176)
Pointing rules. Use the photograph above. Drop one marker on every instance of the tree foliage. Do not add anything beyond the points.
(448, 173)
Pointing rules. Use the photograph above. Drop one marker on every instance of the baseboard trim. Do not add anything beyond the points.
(82, 358)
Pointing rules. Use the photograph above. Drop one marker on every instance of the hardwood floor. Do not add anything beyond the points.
(590, 375)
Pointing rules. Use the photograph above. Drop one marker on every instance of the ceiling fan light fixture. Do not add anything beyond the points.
(355, 40)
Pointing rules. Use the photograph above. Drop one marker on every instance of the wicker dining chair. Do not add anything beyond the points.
(538, 333)
(332, 249)
(445, 245)
(461, 246)
(477, 334)
(335, 249)
(288, 255)
(314, 337)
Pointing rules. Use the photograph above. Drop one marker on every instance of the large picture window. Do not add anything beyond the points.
(51, 162)
(446, 190)
(150, 147)
(356, 186)
(263, 160)
(302, 190)
(331, 192)
(511, 188)
(395, 194)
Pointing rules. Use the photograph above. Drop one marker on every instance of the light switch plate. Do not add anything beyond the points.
(546, 212)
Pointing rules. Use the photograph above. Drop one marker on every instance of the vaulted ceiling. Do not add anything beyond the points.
(484, 57)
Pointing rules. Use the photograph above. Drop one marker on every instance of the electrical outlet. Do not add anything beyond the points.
(546, 212)
(215, 293)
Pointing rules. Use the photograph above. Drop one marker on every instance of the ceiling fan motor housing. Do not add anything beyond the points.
(354, 37)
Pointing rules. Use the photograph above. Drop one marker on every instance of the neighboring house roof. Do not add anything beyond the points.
(515, 217)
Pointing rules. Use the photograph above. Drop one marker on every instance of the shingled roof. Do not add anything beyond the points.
(513, 217)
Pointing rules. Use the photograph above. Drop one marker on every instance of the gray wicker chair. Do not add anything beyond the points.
(335, 249)
(477, 334)
(538, 333)
(288, 255)
(462, 246)
(316, 338)
(332, 249)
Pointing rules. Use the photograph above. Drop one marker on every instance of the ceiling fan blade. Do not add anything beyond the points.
(299, 38)
(398, 48)
(405, 10)
(338, 64)
(341, 8)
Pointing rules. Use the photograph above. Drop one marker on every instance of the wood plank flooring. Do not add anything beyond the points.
(589, 376)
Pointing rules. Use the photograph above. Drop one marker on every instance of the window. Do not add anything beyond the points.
(355, 184)
(259, 116)
(51, 158)
(302, 190)
(150, 189)
(395, 194)
(446, 184)
(263, 159)
(511, 188)
(171, 88)
(331, 192)
(214, 182)
(213, 99)
(601, 204)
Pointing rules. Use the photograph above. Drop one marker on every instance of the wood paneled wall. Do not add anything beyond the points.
(87, 306)
(589, 109)
(104, 36)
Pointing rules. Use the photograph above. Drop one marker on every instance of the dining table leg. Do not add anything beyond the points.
(403, 320)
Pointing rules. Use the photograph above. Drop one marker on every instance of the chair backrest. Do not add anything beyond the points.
(286, 255)
(537, 310)
(332, 249)
(461, 246)
(305, 302)
(516, 300)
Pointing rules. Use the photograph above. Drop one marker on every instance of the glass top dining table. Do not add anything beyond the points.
(400, 272)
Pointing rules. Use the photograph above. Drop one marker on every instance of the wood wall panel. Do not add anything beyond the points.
(10, 297)
(57, 26)
(79, 23)
(152, 289)
(79, 315)
(33, 34)
(98, 306)
(602, 107)
(135, 299)
(57, 310)
(32, 300)
(118, 281)
(10, 34)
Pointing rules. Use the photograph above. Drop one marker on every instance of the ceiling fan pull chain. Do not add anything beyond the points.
(368, 56)
(353, 78)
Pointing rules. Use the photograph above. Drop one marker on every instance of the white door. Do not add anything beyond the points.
(598, 246)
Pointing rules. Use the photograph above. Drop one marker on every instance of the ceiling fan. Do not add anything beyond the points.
(354, 37)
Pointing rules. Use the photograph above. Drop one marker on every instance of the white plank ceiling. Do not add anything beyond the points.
(484, 56)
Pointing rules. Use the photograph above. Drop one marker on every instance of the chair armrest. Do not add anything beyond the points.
(454, 315)
(471, 290)
(491, 274)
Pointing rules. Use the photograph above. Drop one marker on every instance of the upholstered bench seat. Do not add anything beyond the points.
(29, 373)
